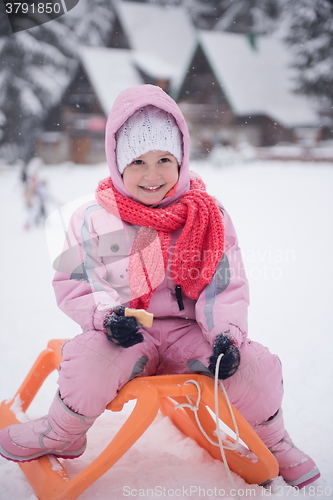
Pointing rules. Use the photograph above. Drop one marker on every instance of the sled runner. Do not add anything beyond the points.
(49, 479)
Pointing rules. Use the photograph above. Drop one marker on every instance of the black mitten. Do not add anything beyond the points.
(122, 330)
(229, 362)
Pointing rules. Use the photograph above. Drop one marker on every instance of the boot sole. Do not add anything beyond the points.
(29, 458)
(308, 478)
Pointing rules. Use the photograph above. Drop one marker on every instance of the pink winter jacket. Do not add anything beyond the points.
(92, 271)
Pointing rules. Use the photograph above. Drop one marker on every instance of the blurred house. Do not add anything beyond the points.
(237, 89)
(101, 75)
(136, 54)
(230, 90)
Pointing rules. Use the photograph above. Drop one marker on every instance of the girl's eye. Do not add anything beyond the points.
(164, 160)
(137, 162)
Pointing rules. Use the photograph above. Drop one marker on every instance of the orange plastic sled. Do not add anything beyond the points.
(152, 393)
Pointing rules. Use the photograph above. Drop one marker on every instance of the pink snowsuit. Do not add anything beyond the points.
(92, 277)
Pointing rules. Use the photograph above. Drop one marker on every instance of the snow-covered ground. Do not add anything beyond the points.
(283, 213)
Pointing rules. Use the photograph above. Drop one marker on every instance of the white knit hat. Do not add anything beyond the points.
(148, 129)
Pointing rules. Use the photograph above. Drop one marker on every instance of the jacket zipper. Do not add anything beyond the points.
(179, 297)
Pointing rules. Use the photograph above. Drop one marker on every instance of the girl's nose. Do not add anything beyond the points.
(152, 173)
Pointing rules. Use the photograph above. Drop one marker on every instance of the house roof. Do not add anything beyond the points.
(163, 31)
(109, 71)
(153, 66)
(256, 80)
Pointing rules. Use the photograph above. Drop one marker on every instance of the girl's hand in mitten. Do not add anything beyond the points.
(122, 330)
(230, 360)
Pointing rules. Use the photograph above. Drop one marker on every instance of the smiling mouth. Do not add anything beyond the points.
(151, 188)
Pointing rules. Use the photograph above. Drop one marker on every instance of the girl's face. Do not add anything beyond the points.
(151, 176)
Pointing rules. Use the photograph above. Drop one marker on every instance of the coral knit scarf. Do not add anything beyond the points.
(196, 253)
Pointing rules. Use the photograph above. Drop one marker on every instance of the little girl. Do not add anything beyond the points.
(154, 239)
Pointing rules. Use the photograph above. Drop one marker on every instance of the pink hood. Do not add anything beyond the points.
(124, 106)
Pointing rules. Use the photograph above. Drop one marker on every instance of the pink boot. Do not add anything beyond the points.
(296, 468)
(62, 433)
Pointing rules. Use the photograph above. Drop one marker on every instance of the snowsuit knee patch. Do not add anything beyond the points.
(197, 366)
(139, 366)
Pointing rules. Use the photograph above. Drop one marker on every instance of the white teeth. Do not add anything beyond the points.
(151, 188)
